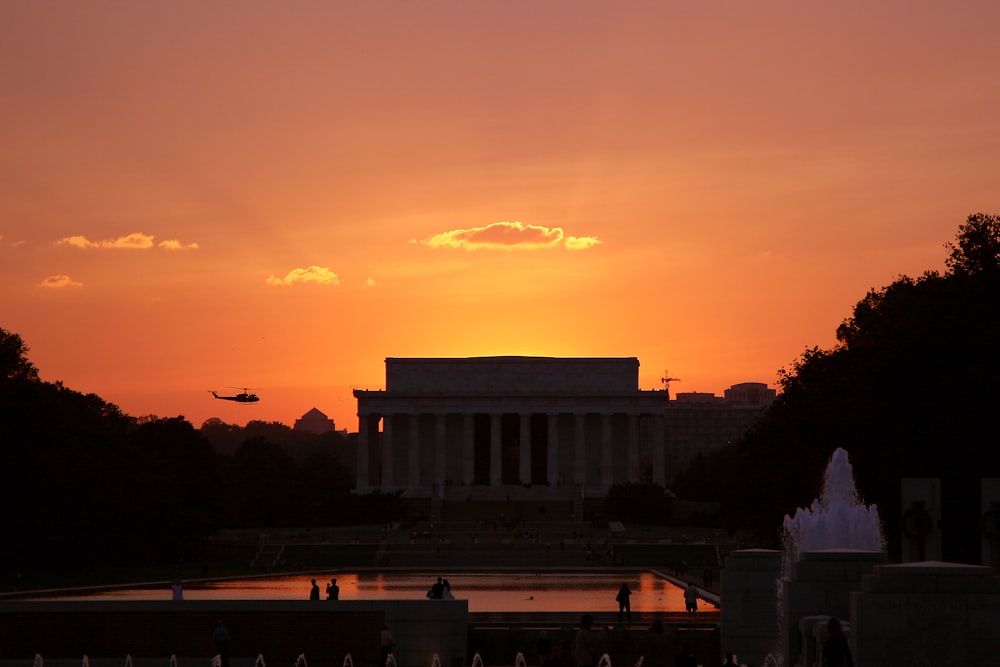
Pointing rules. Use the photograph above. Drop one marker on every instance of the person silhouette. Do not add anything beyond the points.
(624, 603)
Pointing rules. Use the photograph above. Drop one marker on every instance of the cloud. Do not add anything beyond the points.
(509, 236)
(59, 281)
(135, 241)
(174, 244)
(312, 274)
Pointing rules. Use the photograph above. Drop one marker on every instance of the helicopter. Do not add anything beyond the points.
(243, 397)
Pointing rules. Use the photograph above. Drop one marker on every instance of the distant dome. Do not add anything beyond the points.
(314, 421)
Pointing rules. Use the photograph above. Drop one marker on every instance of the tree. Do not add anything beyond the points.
(976, 251)
(14, 364)
(909, 391)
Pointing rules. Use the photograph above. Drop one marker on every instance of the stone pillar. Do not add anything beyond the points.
(580, 450)
(496, 455)
(749, 625)
(659, 461)
(440, 469)
(468, 452)
(552, 464)
(607, 462)
(921, 519)
(362, 483)
(524, 455)
(928, 613)
(387, 480)
(633, 448)
(414, 456)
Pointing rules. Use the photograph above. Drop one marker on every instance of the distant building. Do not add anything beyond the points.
(509, 422)
(700, 423)
(472, 424)
(314, 421)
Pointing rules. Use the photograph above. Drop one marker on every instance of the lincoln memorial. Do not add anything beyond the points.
(509, 421)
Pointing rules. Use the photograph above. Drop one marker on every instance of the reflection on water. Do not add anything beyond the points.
(543, 592)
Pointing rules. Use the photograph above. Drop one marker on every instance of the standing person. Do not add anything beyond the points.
(436, 591)
(686, 657)
(836, 652)
(543, 647)
(657, 647)
(446, 590)
(176, 590)
(691, 598)
(221, 638)
(332, 590)
(585, 643)
(624, 603)
(385, 645)
(314, 591)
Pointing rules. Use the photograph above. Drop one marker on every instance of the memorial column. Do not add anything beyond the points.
(364, 424)
(552, 464)
(496, 455)
(607, 465)
(440, 468)
(413, 460)
(524, 455)
(387, 480)
(633, 448)
(468, 449)
(580, 449)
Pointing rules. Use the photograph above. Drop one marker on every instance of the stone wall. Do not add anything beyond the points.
(325, 632)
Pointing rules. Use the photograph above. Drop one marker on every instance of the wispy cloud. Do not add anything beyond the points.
(312, 274)
(135, 241)
(510, 236)
(59, 282)
(174, 244)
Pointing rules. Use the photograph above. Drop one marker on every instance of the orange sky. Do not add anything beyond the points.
(280, 195)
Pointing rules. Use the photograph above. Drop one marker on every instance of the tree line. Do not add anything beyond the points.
(81, 482)
(911, 389)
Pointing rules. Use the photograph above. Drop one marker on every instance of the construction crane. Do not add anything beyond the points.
(666, 380)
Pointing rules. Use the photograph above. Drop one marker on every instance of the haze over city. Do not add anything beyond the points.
(197, 196)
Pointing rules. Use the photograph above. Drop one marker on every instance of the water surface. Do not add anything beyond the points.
(506, 592)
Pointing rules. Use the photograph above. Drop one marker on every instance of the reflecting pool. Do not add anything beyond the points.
(499, 592)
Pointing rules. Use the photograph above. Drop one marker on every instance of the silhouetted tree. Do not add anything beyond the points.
(14, 364)
(910, 391)
(262, 486)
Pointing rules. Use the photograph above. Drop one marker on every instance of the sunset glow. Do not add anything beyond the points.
(197, 196)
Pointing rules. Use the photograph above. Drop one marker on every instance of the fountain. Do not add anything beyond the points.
(836, 520)
(828, 547)
(519, 660)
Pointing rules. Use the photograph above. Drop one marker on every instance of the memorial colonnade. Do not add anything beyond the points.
(419, 442)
